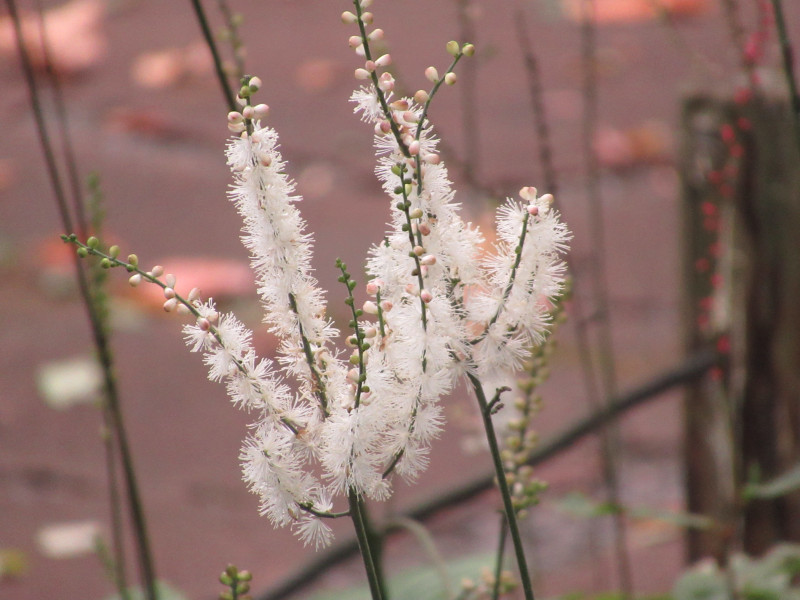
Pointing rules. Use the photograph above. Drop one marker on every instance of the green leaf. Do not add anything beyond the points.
(780, 486)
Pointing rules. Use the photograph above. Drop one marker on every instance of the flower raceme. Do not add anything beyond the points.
(441, 307)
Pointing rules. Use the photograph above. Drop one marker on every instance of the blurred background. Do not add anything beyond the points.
(146, 114)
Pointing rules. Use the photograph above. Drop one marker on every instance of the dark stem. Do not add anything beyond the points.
(501, 550)
(97, 328)
(788, 67)
(212, 46)
(502, 483)
(356, 506)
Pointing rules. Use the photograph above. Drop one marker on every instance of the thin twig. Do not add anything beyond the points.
(98, 333)
(691, 369)
(788, 67)
(212, 46)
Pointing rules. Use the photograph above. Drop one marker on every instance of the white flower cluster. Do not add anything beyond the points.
(442, 307)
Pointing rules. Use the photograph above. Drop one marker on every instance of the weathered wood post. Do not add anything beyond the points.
(741, 191)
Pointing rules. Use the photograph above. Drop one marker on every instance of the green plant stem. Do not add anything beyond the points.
(788, 67)
(212, 46)
(502, 483)
(98, 333)
(356, 508)
(501, 550)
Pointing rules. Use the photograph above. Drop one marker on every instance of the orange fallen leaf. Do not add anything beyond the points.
(76, 40)
(625, 11)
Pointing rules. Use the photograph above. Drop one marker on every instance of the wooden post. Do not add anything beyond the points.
(742, 291)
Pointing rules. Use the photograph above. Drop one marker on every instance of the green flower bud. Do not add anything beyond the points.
(453, 48)
(105, 263)
(93, 243)
(83, 252)
(468, 50)
(113, 251)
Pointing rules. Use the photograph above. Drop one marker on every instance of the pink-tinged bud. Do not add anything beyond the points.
(386, 127)
(157, 271)
(348, 18)
(547, 198)
(194, 295)
(424, 229)
(242, 101)
(213, 316)
(366, 18)
(374, 286)
(450, 78)
(376, 35)
(383, 61)
(135, 279)
(352, 375)
(183, 309)
(354, 41)
(360, 51)
(370, 307)
(468, 50)
(432, 158)
(203, 324)
(428, 259)
(370, 332)
(386, 305)
(412, 289)
(247, 112)
(169, 292)
(365, 4)
(236, 127)
(235, 117)
(410, 116)
(421, 97)
(255, 84)
(362, 74)
(418, 250)
(413, 148)
(528, 193)
(423, 270)
(426, 296)
(533, 210)
(386, 85)
(260, 111)
(170, 280)
(265, 159)
(400, 105)
(370, 65)
(431, 74)
(170, 305)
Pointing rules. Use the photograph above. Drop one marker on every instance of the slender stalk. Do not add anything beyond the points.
(788, 66)
(98, 333)
(609, 436)
(212, 46)
(356, 508)
(501, 550)
(505, 492)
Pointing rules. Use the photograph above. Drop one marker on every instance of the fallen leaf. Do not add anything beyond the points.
(68, 540)
(75, 36)
(632, 11)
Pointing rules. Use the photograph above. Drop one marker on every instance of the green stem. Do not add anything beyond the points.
(501, 548)
(356, 507)
(505, 492)
(212, 46)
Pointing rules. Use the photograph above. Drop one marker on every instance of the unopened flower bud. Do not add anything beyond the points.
(370, 307)
(93, 243)
(254, 84)
(426, 296)
(213, 316)
(260, 111)
(421, 97)
(416, 213)
(528, 193)
(348, 18)
(351, 341)
(386, 305)
(203, 324)
(432, 158)
(157, 271)
(366, 18)
(169, 293)
(170, 305)
(183, 309)
(370, 65)
(370, 332)
(428, 259)
(413, 148)
(432, 74)
(468, 50)
(354, 41)
(247, 112)
(170, 280)
(424, 228)
(547, 198)
(374, 286)
(412, 289)
(453, 48)
(418, 250)
(235, 117)
(135, 279)
(362, 74)
(133, 260)
(533, 210)
(450, 78)
(236, 127)
(401, 105)
(383, 61)
(352, 375)
(194, 294)
(365, 4)
(113, 252)
(375, 35)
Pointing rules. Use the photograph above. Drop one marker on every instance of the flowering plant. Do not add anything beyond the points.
(441, 307)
